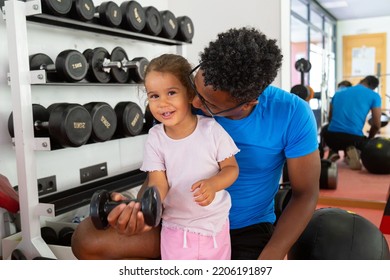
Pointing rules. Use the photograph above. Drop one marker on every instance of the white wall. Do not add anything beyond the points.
(213, 17)
(363, 26)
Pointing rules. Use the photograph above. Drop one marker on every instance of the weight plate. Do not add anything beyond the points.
(169, 25)
(133, 16)
(96, 209)
(70, 124)
(71, 65)
(83, 10)
(301, 91)
(137, 73)
(120, 75)
(186, 29)
(96, 71)
(153, 24)
(104, 121)
(130, 119)
(57, 8)
(110, 14)
(302, 65)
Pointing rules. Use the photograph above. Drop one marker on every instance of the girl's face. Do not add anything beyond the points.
(168, 99)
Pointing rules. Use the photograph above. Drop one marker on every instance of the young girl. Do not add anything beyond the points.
(190, 159)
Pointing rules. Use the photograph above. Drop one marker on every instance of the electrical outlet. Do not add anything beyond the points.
(93, 172)
(47, 185)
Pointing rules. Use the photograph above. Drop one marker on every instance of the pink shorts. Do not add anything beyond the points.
(176, 244)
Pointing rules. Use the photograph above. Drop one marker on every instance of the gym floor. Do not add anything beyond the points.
(361, 192)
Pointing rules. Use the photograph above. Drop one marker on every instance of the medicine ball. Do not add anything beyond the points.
(375, 156)
(337, 234)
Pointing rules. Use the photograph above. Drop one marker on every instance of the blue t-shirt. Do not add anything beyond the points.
(351, 107)
(281, 126)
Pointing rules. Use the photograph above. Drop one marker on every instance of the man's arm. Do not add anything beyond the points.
(375, 122)
(304, 175)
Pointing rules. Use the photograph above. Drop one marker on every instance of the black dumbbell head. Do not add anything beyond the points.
(40, 113)
(69, 124)
(151, 206)
(71, 66)
(186, 30)
(133, 16)
(55, 7)
(83, 10)
(169, 25)
(302, 65)
(130, 119)
(95, 59)
(119, 75)
(137, 73)
(153, 24)
(110, 14)
(104, 121)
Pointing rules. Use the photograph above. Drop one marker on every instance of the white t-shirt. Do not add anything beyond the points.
(187, 161)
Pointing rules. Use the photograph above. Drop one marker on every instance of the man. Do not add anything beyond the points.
(347, 114)
(268, 125)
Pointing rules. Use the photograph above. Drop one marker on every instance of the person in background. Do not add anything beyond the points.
(269, 125)
(334, 155)
(347, 114)
(190, 160)
(344, 84)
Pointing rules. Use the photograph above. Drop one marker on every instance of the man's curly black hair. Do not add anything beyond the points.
(241, 61)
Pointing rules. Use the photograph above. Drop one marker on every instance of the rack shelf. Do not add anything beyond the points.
(101, 29)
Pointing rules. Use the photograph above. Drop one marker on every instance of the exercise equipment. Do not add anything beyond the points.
(116, 67)
(70, 65)
(329, 175)
(101, 205)
(305, 92)
(69, 125)
(65, 236)
(129, 69)
(375, 155)
(109, 14)
(186, 30)
(49, 235)
(83, 10)
(337, 234)
(130, 119)
(133, 16)
(384, 120)
(103, 119)
(170, 25)
(149, 120)
(153, 24)
(56, 8)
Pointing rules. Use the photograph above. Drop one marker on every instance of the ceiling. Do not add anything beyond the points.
(356, 9)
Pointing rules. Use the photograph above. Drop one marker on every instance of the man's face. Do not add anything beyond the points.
(215, 102)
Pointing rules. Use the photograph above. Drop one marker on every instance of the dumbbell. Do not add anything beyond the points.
(69, 125)
(55, 7)
(101, 205)
(133, 16)
(130, 119)
(103, 66)
(100, 65)
(186, 30)
(153, 24)
(169, 25)
(70, 66)
(328, 177)
(104, 121)
(83, 10)
(108, 13)
(65, 236)
(130, 69)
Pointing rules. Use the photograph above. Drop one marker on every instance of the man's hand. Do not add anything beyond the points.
(127, 219)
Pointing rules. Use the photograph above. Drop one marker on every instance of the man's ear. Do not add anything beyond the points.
(249, 105)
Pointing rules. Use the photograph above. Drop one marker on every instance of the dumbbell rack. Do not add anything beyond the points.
(16, 14)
